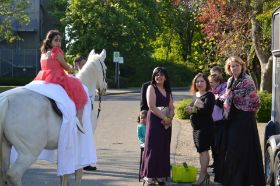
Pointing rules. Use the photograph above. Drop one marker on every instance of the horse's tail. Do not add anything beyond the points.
(3, 112)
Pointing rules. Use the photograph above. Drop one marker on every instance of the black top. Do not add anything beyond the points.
(143, 102)
(203, 117)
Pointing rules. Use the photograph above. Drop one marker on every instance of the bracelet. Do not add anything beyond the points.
(167, 118)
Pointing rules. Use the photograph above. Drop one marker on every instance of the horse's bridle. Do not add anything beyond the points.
(101, 91)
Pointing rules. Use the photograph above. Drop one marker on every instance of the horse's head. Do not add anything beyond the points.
(98, 59)
(93, 73)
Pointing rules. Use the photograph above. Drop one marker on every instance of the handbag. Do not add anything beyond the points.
(183, 173)
(218, 113)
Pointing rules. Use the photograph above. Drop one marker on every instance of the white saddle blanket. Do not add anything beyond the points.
(75, 149)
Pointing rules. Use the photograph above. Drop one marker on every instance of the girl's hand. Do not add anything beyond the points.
(70, 69)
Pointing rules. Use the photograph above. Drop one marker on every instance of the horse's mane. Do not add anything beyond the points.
(90, 72)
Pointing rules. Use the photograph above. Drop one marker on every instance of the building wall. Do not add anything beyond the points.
(21, 58)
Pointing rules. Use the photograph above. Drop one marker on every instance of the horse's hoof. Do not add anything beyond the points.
(89, 168)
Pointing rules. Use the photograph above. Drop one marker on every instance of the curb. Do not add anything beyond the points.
(127, 91)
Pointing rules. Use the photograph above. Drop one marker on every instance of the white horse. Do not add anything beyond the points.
(29, 123)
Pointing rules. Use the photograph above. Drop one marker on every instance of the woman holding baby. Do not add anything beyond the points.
(201, 110)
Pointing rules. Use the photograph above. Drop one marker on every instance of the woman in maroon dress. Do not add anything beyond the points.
(156, 159)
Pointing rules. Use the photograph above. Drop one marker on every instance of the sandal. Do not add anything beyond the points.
(148, 181)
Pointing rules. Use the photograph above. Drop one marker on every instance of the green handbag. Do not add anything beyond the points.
(183, 173)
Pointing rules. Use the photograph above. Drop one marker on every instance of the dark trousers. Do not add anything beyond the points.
(140, 165)
(218, 148)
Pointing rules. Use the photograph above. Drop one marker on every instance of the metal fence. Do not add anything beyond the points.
(19, 62)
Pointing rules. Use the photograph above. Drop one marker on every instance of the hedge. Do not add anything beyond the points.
(264, 113)
(180, 110)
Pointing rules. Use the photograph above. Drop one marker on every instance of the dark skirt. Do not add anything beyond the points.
(203, 139)
(218, 148)
(243, 160)
(156, 158)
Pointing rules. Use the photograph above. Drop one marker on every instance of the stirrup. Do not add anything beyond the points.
(80, 128)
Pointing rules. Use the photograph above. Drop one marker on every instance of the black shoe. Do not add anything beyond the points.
(90, 168)
(160, 182)
(211, 166)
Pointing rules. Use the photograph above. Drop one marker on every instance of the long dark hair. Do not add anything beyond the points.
(166, 83)
(47, 43)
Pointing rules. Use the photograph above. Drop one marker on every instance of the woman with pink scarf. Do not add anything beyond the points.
(243, 160)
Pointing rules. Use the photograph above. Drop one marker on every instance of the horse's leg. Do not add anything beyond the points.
(78, 176)
(6, 151)
(23, 162)
(64, 180)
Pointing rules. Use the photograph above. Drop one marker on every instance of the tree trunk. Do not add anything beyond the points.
(263, 56)
(266, 76)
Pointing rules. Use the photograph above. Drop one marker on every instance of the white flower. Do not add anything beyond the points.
(198, 103)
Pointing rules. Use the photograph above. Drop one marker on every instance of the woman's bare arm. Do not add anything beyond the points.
(151, 101)
(64, 64)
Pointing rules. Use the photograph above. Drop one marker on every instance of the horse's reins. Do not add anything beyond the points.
(100, 92)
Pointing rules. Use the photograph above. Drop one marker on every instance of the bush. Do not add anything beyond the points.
(15, 81)
(180, 110)
(264, 112)
(4, 88)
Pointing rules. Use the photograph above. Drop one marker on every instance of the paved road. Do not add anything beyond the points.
(117, 146)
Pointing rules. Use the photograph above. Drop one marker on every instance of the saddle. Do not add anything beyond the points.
(55, 108)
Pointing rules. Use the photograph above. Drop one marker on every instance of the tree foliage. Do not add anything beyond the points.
(228, 23)
(57, 8)
(264, 19)
(12, 11)
(242, 28)
(125, 26)
(201, 33)
(174, 41)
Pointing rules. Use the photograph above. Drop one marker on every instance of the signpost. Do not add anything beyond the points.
(117, 60)
(116, 56)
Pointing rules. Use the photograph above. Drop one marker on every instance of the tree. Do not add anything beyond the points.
(260, 14)
(12, 10)
(118, 25)
(57, 8)
(242, 28)
(229, 25)
(126, 26)
(173, 42)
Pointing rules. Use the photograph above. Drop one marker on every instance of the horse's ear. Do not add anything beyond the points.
(103, 54)
(92, 52)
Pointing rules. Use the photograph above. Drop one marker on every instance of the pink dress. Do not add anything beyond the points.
(53, 72)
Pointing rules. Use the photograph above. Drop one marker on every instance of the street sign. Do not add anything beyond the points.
(116, 56)
(120, 60)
